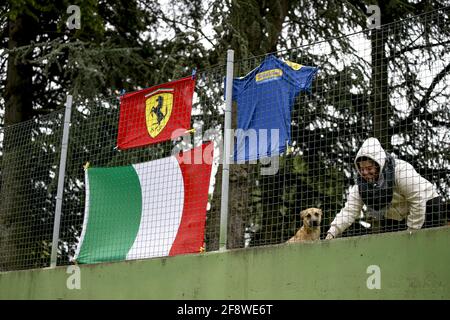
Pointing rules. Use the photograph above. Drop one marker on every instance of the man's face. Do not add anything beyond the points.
(368, 170)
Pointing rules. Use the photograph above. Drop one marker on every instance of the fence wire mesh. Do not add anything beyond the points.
(391, 83)
(94, 136)
(29, 170)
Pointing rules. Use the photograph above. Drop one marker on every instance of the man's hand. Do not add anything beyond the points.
(329, 236)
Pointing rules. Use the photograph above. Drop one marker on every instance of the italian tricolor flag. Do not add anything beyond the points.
(151, 209)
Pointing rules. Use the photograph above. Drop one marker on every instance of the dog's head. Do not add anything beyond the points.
(312, 217)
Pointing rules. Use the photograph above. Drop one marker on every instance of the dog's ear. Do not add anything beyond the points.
(303, 213)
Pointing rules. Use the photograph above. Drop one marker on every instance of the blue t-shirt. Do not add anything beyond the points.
(264, 98)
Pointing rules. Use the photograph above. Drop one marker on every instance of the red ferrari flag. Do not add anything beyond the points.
(153, 114)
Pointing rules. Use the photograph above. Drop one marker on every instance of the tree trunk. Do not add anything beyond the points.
(15, 191)
(380, 106)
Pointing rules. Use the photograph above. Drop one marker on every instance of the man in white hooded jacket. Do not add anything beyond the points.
(391, 189)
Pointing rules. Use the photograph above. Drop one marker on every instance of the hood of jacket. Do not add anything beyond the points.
(372, 149)
(376, 195)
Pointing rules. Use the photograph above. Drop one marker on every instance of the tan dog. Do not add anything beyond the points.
(310, 230)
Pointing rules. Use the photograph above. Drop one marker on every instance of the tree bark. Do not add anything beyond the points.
(380, 105)
(15, 192)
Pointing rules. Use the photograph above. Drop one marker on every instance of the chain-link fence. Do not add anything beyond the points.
(390, 83)
(30, 153)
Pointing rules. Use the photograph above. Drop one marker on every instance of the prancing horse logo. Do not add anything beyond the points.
(158, 108)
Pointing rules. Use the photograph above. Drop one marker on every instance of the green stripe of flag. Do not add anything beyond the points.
(115, 204)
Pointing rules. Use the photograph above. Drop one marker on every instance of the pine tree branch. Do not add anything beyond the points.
(420, 112)
(433, 84)
(395, 54)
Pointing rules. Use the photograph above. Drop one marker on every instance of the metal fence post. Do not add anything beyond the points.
(61, 177)
(227, 152)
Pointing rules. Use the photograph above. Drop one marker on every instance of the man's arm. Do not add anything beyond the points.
(347, 215)
(416, 190)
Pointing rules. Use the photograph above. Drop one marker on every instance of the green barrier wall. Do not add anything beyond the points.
(403, 265)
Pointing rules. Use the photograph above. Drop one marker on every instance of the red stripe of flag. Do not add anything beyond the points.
(196, 169)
